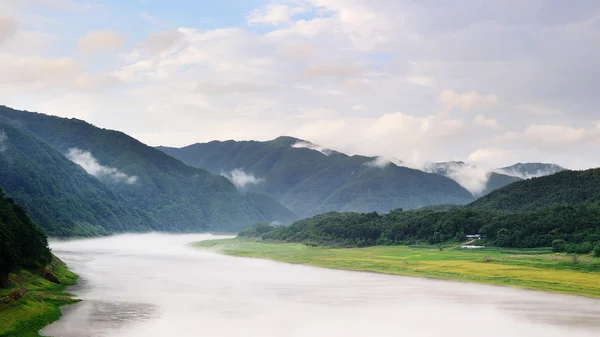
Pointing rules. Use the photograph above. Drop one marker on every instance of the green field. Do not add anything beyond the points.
(39, 305)
(538, 269)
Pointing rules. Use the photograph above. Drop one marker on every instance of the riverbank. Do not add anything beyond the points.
(537, 269)
(32, 302)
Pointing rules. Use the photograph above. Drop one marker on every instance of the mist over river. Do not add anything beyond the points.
(156, 285)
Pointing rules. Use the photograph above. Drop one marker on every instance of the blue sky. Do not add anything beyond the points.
(418, 81)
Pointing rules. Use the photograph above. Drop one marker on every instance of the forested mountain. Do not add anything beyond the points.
(531, 170)
(144, 181)
(561, 210)
(22, 244)
(311, 181)
(571, 188)
(478, 181)
(59, 194)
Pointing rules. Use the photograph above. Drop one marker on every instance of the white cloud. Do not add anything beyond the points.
(538, 110)
(37, 72)
(149, 18)
(3, 139)
(275, 14)
(492, 157)
(85, 81)
(242, 179)
(421, 80)
(488, 123)
(215, 88)
(101, 42)
(381, 162)
(358, 107)
(335, 69)
(309, 145)
(471, 177)
(337, 74)
(8, 28)
(161, 41)
(558, 134)
(465, 101)
(91, 166)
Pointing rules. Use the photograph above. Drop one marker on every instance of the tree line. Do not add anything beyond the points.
(576, 227)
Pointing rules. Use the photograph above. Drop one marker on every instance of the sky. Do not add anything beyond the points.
(488, 82)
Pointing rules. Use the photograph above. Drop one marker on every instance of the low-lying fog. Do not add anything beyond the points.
(155, 285)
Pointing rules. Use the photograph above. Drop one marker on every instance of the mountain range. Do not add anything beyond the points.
(311, 179)
(74, 178)
(77, 179)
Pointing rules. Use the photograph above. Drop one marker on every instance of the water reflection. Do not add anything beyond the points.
(155, 285)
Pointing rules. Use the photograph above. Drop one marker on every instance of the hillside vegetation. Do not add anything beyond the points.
(126, 185)
(573, 188)
(22, 244)
(310, 182)
(561, 211)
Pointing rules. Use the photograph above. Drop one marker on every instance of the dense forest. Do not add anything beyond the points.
(572, 188)
(78, 180)
(571, 227)
(561, 211)
(22, 243)
(310, 182)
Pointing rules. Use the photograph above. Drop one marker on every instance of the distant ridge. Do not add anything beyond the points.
(531, 170)
(310, 179)
(124, 176)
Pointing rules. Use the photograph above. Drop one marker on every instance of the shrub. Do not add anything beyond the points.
(559, 245)
(597, 250)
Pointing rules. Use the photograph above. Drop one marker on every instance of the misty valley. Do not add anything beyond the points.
(299, 168)
(531, 225)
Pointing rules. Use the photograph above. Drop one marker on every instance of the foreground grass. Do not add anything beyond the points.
(537, 269)
(40, 304)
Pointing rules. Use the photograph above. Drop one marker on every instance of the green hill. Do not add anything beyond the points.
(560, 210)
(570, 188)
(132, 186)
(60, 196)
(309, 181)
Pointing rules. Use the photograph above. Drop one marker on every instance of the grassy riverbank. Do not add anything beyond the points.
(32, 302)
(538, 269)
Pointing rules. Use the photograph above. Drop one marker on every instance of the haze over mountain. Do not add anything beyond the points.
(531, 170)
(105, 180)
(475, 179)
(310, 179)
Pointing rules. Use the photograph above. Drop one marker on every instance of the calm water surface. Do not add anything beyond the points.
(155, 285)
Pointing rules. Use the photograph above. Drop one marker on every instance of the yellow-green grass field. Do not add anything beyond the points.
(39, 305)
(538, 269)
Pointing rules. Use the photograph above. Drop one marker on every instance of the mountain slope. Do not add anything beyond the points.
(58, 194)
(178, 197)
(570, 188)
(310, 181)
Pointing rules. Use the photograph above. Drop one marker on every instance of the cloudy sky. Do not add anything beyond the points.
(490, 82)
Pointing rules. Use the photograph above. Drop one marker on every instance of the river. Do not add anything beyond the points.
(155, 285)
